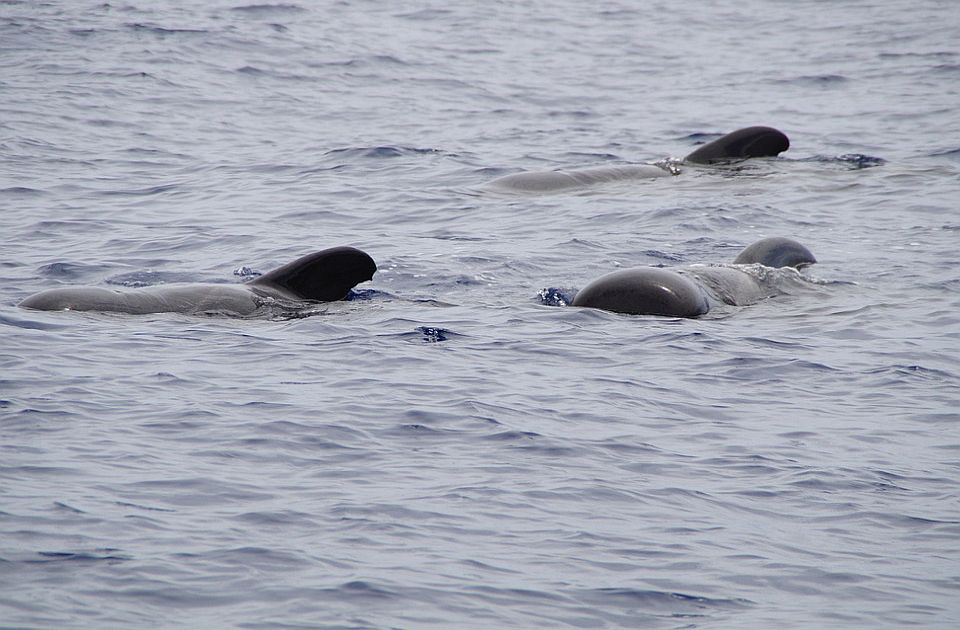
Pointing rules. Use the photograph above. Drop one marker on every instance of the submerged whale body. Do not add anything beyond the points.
(689, 292)
(323, 276)
(749, 142)
(552, 181)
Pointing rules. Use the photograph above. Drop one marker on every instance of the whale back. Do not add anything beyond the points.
(644, 291)
(776, 252)
(748, 142)
(553, 181)
(324, 276)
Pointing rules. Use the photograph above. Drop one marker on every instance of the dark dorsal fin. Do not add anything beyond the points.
(740, 144)
(776, 251)
(323, 276)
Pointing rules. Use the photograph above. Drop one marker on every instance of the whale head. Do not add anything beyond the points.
(776, 251)
(644, 291)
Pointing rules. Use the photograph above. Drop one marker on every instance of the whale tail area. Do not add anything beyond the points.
(324, 276)
(748, 142)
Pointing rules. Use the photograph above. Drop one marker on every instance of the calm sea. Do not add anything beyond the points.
(448, 450)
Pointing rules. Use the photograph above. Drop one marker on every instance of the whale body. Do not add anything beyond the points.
(689, 292)
(749, 142)
(323, 276)
(552, 181)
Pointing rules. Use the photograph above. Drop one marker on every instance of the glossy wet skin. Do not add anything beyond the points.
(750, 142)
(644, 290)
(323, 276)
(687, 292)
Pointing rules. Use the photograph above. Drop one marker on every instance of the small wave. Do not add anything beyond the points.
(278, 517)
(426, 14)
(700, 137)
(430, 334)
(663, 601)
(928, 55)
(511, 435)
(362, 295)
(22, 190)
(670, 165)
(69, 556)
(656, 253)
(253, 71)
(380, 151)
(246, 272)
(268, 9)
(143, 507)
(161, 30)
(816, 80)
(915, 371)
(28, 325)
(947, 68)
(67, 270)
(556, 296)
(140, 192)
(360, 62)
(853, 161)
(950, 153)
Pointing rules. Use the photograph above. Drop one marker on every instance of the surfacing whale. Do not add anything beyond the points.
(748, 142)
(323, 276)
(689, 292)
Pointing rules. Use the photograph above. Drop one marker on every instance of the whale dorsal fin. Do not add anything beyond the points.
(324, 276)
(743, 143)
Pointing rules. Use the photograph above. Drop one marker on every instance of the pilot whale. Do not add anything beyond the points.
(323, 276)
(690, 292)
(749, 142)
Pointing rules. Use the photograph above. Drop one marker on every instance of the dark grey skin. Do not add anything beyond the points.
(776, 252)
(689, 292)
(323, 276)
(749, 142)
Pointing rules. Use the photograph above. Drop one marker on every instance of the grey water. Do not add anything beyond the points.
(448, 449)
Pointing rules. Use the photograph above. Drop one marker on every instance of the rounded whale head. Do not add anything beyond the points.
(776, 251)
(644, 291)
(749, 142)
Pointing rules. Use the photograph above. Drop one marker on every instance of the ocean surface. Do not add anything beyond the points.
(450, 449)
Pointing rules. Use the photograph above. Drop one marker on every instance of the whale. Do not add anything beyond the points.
(323, 276)
(692, 291)
(749, 142)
